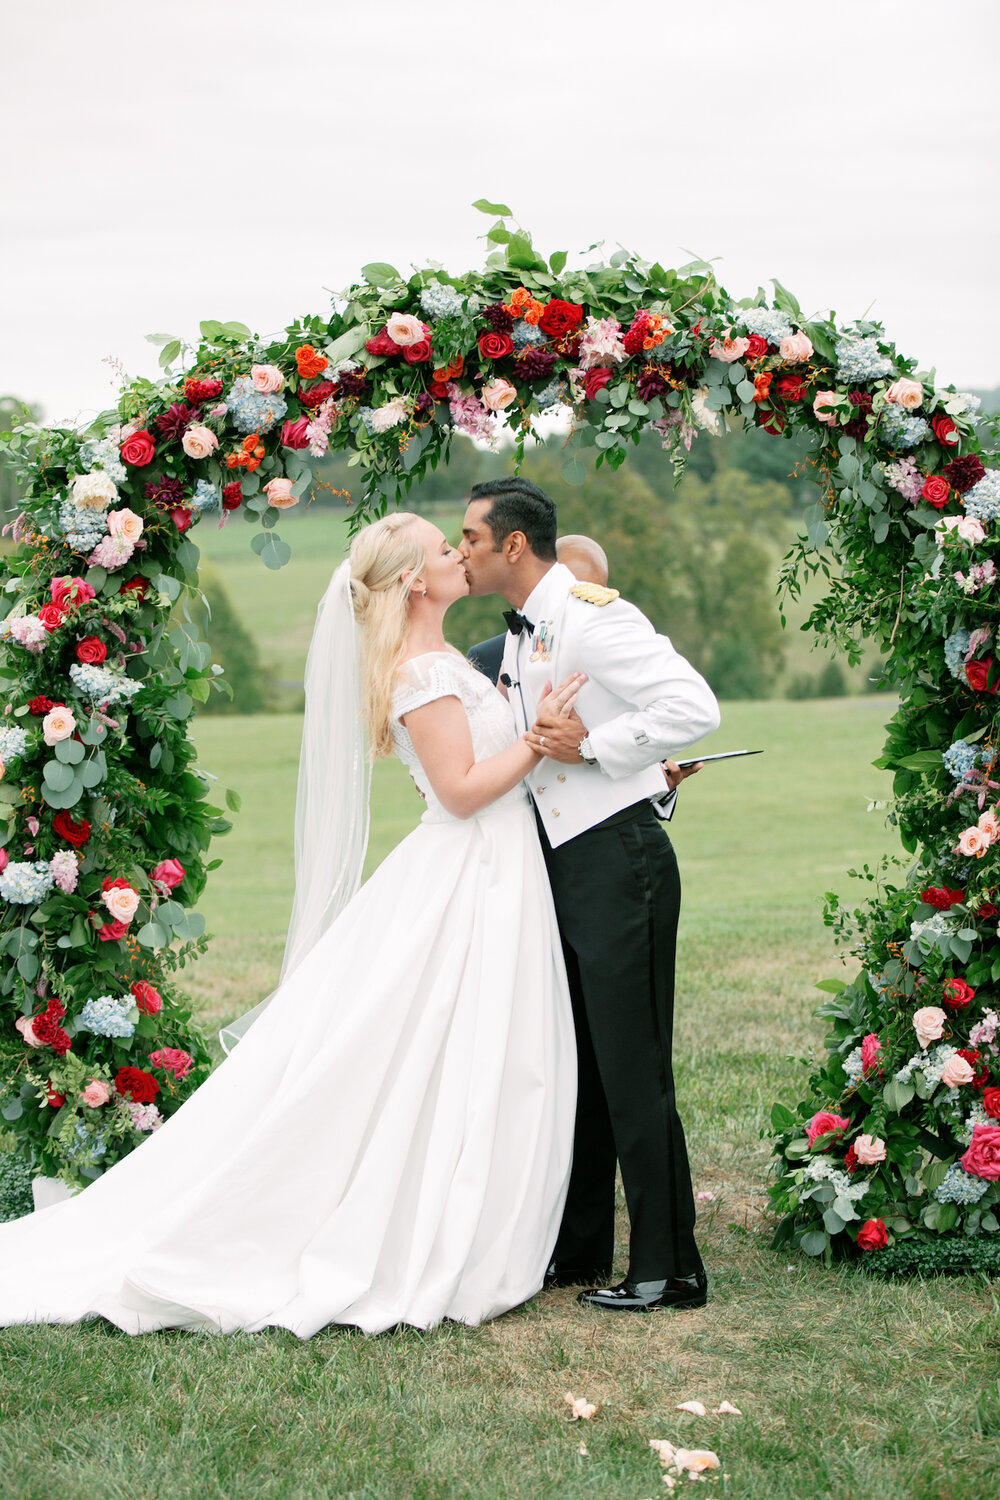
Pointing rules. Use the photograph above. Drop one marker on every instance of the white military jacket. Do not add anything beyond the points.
(642, 702)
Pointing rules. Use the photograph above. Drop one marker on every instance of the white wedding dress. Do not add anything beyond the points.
(391, 1140)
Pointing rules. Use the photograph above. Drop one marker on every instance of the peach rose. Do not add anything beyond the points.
(95, 1094)
(266, 378)
(57, 725)
(989, 825)
(23, 1025)
(928, 1023)
(823, 410)
(869, 1149)
(122, 902)
(126, 524)
(404, 329)
(970, 529)
(908, 394)
(498, 395)
(728, 350)
(973, 842)
(796, 349)
(199, 442)
(279, 493)
(956, 1072)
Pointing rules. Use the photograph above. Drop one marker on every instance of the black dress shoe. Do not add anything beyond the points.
(560, 1275)
(640, 1296)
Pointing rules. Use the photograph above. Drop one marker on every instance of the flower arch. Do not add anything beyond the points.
(105, 820)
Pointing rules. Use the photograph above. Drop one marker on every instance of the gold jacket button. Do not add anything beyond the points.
(560, 777)
(539, 790)
(555, 812)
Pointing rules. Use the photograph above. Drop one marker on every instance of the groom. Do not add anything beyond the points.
(614, 881)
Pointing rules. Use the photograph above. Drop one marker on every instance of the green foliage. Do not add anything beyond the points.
(951, 1255)
(15, 1183)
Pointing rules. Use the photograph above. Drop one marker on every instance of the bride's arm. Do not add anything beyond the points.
(441, 737)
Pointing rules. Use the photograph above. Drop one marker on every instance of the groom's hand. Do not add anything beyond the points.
(558, 736)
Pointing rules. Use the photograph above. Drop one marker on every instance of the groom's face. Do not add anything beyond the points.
(485, 566)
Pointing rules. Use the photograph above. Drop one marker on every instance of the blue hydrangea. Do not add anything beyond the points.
(983, 500)
(101, 684)
(860, 360)
(13, 742)
(107, 1016)
(205, 497)
(553, 394)
(959, 758)
(365, 413)
(85, 1147)
(972, 403)
(440, 301)
(251, 410)
(523, 334)
(104, 454)
(960, 1186)
(26, 882)
(767, 322)
(955, 647)
(853, 1066)
(902, 431)
(83, 529)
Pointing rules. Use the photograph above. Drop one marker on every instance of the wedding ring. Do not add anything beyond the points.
(541, 739)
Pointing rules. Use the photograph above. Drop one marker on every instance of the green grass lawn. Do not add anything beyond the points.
(847, 1387)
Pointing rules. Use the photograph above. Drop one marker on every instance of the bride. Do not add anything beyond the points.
(390, 1141)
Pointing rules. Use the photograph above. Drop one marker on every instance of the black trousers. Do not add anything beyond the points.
(617, 896)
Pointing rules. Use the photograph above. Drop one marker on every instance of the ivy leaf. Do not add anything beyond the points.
(233, 800)
(486, 207)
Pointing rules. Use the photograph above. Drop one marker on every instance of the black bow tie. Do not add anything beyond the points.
(516, 622)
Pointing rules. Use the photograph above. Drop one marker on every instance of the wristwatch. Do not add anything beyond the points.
(587, 752)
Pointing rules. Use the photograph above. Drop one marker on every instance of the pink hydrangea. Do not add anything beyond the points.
(65, 870)
(145, 1117)
(601, 343)
(111, 552)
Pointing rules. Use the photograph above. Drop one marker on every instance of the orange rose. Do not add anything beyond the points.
(310, 364)
(762, 386)
(534, 312)
(520, 298)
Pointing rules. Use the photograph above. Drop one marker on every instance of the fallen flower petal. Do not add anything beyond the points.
(582, 1450)
(726, 1409)
(580, 1408)
(705, 1197)
(694, 1407)
(695, 1460)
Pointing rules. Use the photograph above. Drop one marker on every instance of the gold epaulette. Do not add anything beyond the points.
(593, 593)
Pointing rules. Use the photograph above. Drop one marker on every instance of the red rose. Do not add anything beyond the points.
(872, 1235)
(560, 318)
(439, 389)
(757, 347)
(149, 1000)
(956, 994)
(595, 380)
(181, 517)
(945, 430)
(941, 897)
(52, 616)
(420, 352)
(137, 586)
(496, 345)
(982, 1159)
(118, 884)
(980, 1071)
(382, 345)
(134, 1084)
(113, 932)
(40, 706)
(75, 833)
(977, 674)
(851, 1160)
(936, 491)
(55, 1100)
(322, 389)
(232, 496)
(293, 435)
(91, 650)
(791, 387)
(991, 1102)
(138, 450)
(773, 422)
(986, 910)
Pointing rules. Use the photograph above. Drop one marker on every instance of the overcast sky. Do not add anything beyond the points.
(234, 158)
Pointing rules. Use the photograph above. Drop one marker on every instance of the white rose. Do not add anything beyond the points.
(94, 491)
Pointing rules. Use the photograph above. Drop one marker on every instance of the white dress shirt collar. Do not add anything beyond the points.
(548, 594)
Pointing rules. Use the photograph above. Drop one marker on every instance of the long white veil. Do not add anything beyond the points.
(331, 809)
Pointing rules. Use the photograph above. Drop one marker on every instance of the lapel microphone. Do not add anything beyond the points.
(507, 681)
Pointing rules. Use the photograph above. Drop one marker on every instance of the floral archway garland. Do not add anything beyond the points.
(108, 819)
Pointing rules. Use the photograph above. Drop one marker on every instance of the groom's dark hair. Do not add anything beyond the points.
(519, 505)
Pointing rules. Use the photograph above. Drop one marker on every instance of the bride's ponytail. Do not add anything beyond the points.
(380, 557)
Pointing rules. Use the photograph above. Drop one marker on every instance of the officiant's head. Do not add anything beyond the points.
(508, 537)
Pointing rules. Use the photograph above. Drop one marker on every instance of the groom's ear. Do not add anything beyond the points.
(515, 545)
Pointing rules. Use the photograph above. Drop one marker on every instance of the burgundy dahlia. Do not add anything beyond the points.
(497, 316)
(174, 421)
(650, 384)
(351, 383)
(166, 491)
(536, 364)
(963, 473)
(861, 399)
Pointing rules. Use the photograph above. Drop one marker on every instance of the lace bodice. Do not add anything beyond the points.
(444, 674)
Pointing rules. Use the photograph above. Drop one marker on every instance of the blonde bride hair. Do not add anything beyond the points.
(380, 556)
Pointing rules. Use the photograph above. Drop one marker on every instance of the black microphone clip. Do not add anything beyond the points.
(505, 679)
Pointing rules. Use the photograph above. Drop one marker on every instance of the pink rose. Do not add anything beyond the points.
(168, 873)
(266, 378)
(869, 1150)
(988, 824)
(70, 593)
(956, 1072)
(973, 842)
(796, 349)
(95, 1094)
(404, 329)
(199, 442)
(4, 859)
(279, 493)
(58, 724)
(870, 1049)
(728, 350)
(928, 1023)
(126, 524)
(970, 529)
(122, 902)
(983, 1156)
(825, 1123)
(498, 395)
(822, 409)
(908, 394)
(296, 434)
(172, 1060)
(23, 1025)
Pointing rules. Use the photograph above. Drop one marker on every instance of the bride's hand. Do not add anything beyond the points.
(558, 702)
